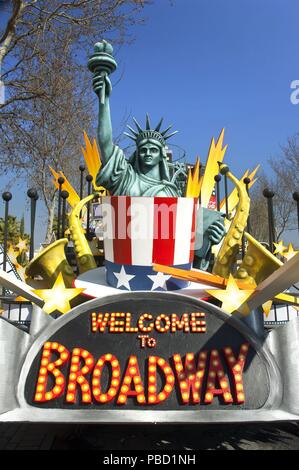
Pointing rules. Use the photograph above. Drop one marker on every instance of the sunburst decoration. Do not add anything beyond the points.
(194, 181)
(233, 299)
(215, 156)
(59, 297)
(93, 162)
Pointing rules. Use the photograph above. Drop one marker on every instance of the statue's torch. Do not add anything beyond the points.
(102, 63)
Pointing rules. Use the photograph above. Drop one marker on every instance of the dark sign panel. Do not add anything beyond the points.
(148, 351)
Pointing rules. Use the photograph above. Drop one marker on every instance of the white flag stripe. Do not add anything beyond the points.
(142, 230)
(183, 230)
(108, 228)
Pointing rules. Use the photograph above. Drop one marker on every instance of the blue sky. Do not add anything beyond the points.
(208, 64)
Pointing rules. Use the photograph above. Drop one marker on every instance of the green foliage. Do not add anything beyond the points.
(15, 230)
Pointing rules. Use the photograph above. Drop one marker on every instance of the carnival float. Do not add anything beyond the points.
(160, 316)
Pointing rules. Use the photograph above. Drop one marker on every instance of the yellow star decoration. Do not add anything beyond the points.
(59, 297)
(267, 307)
(12, 254)
(232, 297)
(279, 248)
(290, 253)
(22, 245)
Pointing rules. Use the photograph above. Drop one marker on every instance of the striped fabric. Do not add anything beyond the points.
(140, 231)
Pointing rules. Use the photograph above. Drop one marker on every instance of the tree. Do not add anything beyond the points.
(258, 211)
(284, 182)
(48, 132)
(286, 165)
(33, 22)
(43, 53)
(14, 230)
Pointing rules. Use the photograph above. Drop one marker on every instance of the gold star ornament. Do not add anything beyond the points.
(22, 245)
(233, 299)
(290, 253)
(59, 297)
(279, 248)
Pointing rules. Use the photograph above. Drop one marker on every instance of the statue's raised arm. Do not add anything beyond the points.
(146, 172)
(102, 63)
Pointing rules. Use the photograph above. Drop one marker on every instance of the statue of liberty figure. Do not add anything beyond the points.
(146, 172)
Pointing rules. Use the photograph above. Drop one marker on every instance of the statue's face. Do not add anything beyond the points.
(149, 155)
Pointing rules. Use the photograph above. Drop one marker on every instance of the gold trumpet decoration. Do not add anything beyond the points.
(258, 262)
(233, 240)
(84, 256)
(49, 263)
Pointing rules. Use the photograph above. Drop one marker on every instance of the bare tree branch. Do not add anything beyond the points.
(49, 98)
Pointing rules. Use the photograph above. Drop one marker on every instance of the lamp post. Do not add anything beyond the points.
(82, 169)
(89, 179)
(64, 196)
(6, 196)
(32, 194)
(60, 182)
(269, 195)
(224, 172)
(217, 179)
(246, 181)
(296, 199)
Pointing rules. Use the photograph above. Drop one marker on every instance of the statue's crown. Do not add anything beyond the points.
(148, 133)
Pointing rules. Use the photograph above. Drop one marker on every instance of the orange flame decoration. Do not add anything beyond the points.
(215, 156)
(197, 185)
(204, 185)
(194, 181)
(92, 159)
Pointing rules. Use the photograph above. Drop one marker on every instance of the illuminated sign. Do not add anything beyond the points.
(153, 357)
(147, 351)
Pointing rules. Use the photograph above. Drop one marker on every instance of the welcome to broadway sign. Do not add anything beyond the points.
(154, 357)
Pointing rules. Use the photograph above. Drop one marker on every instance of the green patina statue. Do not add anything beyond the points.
(146, 172)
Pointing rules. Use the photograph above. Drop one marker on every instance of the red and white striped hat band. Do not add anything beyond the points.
(145, 230)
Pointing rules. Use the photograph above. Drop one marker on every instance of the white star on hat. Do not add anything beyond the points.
(123, 279)
(159, 280)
